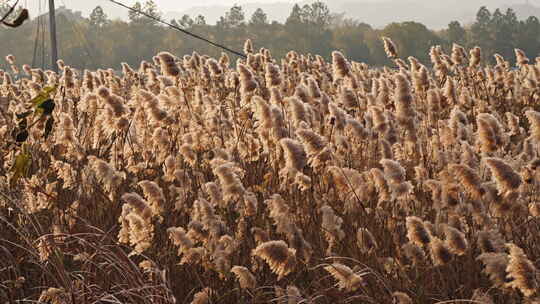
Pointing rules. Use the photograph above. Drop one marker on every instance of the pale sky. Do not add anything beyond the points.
(180, 5)
(164, 5)
(433, 13)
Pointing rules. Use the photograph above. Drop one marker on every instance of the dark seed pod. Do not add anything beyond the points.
(47, 106)
(48, 127)
(23, 16)
(21, 136)
(23, 115)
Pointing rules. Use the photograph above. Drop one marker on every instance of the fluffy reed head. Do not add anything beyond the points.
(345, 276)
(179, 237)
(168, 64)
(247, 79)
(441, 253)
(521, 58)
(475, 57)
(506, 178)
(138, 203)
(295, 156)
(248, 47)
(401, 298)
(521, 272)
(495, 265)
(489, 132)
(245, 277)
(389, 48)
(455, 240)
(417, 232)
(340, 66)
(10, 59)
(273, 75)
(403, 100)
(393, 171)
(202, 297)
(490, 241)
(459, 55)
(469, 180)
(534, 120)
(278, 256)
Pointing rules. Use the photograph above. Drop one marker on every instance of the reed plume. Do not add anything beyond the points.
(389, 48)
(278, 256)
(347, 279)
(521, 272)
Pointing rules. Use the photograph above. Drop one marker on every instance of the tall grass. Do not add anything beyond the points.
(291, 180)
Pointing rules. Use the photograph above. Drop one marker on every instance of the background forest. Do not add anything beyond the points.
(97, 41)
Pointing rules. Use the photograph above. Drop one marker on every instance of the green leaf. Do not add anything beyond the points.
(21, 167)
(43, 96)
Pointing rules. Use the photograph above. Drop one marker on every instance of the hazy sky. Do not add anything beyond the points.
(434, 13)
(179, 5)
(164, 5)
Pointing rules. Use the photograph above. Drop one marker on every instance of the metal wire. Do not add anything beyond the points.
(238, 53)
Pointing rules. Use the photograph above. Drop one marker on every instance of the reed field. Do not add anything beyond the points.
(297, 180)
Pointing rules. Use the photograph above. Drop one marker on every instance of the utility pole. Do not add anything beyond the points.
(52, 30)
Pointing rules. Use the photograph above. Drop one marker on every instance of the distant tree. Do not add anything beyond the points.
(133, 15)
(308, 28)
(296, 29)
(317, 19)
(456, 33)
(175, 23)
(258, 18)
(259, 29)
(235, 17)
(480, 30)
(151, 8)
(412, 39)
(340, 19)
(350, 38)
(295, 17)
(186, 21)
(97, 21)
(503, 31)
(98, 18)
(200, 20)
(5, 7)
(528, 36)
(318, 14)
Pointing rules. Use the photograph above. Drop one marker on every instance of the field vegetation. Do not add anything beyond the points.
(297, 180)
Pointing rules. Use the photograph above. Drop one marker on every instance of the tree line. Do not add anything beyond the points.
(98, 41)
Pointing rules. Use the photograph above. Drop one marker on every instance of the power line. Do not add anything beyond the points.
(180, 29)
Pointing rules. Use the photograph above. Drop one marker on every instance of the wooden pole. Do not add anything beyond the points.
(52, 29)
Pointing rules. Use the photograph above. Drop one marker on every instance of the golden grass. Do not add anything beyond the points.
(286, 180)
